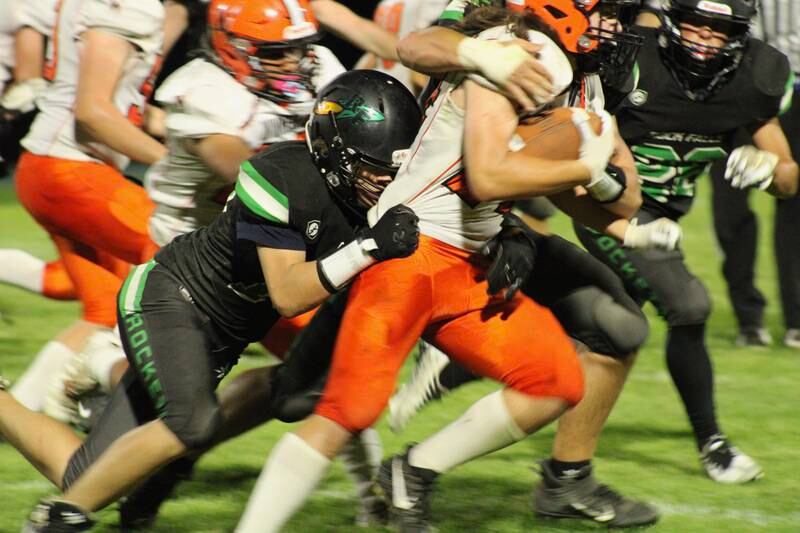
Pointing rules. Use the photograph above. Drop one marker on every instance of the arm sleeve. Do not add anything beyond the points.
(262, 190)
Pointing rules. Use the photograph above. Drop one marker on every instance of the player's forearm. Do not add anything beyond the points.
(589, 213)
(785, 182)
(28, 54)
(176, 20)
(517, 175)
(431, 51)
(363, 33)
(103, 123)
(298, 290)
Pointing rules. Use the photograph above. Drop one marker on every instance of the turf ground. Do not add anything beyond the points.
(646, 449)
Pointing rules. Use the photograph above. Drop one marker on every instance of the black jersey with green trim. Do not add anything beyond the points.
(675, 139)
(281, 201)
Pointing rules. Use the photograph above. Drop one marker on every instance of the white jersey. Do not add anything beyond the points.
(140, 22)
(432, 181)
(201, 99)
(402, 17)
(6, 42)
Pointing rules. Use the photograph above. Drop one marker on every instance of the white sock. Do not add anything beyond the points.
(361, 458)
(485, 427)
(31, 389)
(22, 269)
(292, 471)
(103, 350)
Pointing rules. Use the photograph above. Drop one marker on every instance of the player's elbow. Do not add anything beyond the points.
(484, 188)
(785, 183)
(287, 304)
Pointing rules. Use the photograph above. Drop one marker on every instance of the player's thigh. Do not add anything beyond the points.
(388, 308)
(175, 351)
(520, 344)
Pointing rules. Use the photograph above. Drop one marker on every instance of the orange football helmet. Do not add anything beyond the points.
(607, 50)
(251, 39)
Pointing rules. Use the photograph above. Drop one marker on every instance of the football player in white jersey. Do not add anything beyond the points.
(435, 293)
(99, 61)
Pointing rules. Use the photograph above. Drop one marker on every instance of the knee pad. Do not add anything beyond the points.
(605, 326)
(197, 428)
(691, 306)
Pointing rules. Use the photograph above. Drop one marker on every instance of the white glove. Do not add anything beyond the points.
(750, 167)
(22, 96)
(595, 151)
(662, 234)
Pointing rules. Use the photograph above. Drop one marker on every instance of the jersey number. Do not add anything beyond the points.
(665, 173)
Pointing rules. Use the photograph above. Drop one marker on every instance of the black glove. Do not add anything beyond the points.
(396, 234)
(513, 251)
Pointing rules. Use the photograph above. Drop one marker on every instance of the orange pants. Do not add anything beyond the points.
(440, 293)
(97, 220)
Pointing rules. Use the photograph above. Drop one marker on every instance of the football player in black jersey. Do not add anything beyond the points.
(700, 78)
(287, 240)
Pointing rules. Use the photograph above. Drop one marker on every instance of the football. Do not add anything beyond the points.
(551, 134)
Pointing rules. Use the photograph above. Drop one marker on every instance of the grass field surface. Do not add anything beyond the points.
(646, 450)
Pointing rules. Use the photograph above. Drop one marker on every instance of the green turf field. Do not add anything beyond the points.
(646, 450)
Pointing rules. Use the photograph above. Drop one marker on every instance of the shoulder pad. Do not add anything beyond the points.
(139, 22)
(768, 76)
(202, 100)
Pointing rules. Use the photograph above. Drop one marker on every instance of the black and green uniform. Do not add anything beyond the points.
(674, 140)
(186, 316)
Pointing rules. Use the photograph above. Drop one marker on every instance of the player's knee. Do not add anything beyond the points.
(604, 325)
(353, 418)
(197, 427)
(692, 307)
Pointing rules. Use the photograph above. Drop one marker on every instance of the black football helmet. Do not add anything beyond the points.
(698, 68)
(361, 119)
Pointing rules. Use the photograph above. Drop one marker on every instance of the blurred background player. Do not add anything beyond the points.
(101, 60)
(777, 24)
(401, 17)
(701, 77)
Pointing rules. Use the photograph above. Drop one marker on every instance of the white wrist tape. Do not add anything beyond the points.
(495, 61)
(604, 188)
(345, 263)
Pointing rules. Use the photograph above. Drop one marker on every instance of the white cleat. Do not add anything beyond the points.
(726, 464)
(421, 389)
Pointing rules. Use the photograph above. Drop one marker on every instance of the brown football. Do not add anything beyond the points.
(552, 134)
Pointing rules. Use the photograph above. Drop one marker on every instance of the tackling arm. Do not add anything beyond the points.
(293, 283)
(221, 153)
(512, 65)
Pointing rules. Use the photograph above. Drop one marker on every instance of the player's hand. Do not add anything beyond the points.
(21, 97)
(513, 254)
(595, 151)
(750, 167)
(396, 234)
(511, 66)
(661, 234)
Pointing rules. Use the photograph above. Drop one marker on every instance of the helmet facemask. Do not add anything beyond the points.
(700, 68)
(617, 49)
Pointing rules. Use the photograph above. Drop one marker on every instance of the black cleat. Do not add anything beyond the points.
(140, 509)
(408, 490)
(583, 497)
(55, 516)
